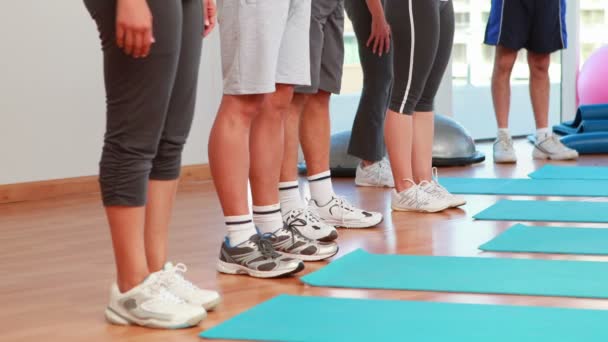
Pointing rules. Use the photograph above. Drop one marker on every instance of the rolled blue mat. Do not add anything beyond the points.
(320, 319)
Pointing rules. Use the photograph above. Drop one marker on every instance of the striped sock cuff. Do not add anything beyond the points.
(288, 185)
(320, 176)
(266, 209)
(238, 220)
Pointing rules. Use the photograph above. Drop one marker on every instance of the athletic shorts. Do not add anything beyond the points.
(326, 47)
(263, 42)
(536, 25)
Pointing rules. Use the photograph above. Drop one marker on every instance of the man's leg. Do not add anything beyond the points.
(539, 87)
(501, 84)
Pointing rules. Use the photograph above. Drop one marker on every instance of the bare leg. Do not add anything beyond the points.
(422, 152)
(266, 147)
(161, 196)
(539, 87)
(315, 133)
(289, 169)
(229, 150)
(398, 139)
(501, 84)
(127, 227)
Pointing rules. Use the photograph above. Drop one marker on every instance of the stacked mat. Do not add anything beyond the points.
(588, 132)
(307, 318)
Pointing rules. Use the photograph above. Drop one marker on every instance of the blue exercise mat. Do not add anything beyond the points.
(571, 172)
(319, 319)
(548, 211)
(526, 187)
(553, 240)
(360, 269)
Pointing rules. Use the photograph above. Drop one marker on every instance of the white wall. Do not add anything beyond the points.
(52, 101)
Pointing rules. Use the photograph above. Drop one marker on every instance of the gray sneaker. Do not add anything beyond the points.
(257, 258)
(290, 242)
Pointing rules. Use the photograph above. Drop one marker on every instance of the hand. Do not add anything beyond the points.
(380, 36)
(210, 16)
(134, 27)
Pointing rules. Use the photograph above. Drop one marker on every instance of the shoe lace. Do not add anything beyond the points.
(345, 207)
(264, 244)
(292, 228)
(159, 290)
(505, 142)
(176, 275)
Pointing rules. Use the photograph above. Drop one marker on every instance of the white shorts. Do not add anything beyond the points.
(264, 42)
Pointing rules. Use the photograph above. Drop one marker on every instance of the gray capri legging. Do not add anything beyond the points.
(423, 33)
(150, 101)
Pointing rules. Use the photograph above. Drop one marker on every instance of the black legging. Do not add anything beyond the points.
(150, 101)
(423, 33)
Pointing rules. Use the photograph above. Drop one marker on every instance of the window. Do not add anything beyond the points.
(462, 19)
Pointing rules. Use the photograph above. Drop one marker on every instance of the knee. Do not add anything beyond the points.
(277, 104)
(503, 64)
(243, 108)
(167, 163)
(539, 64)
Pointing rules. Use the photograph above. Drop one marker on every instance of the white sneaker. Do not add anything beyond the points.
(552, 148)
(151, 304)
(503, 149)
(417, 199)
(340, 213)
(435, 188)
(173, 278)
(310, 225)
(378, 174)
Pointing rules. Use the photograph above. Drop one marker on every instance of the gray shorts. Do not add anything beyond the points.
(326, 47)
(264, 42)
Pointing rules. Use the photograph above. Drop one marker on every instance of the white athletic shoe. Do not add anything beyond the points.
(310, 225)
(552, 148)
(416, 198)
(378, 174)
(435, 188)
(503, 149)
(151, 304)
(340, 213)
(173, 278)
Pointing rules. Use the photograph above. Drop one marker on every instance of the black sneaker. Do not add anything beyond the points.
(257, 258)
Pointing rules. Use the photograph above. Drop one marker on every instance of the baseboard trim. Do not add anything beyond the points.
(31, 191)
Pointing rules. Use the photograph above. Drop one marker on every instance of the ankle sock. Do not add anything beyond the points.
(542, 134)
(289, 196)
(321, 189)
(268, 218)
(240, 228)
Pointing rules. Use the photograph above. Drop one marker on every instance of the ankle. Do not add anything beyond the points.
(127, 282)
(403, 185)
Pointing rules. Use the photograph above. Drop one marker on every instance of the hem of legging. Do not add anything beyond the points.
(170, 177)
(396, 109)
(424, 108)
(364, 155)
(122, 202)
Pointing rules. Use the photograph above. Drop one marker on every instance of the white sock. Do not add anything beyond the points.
(504, 131)
(542, 133)
(321, 189)
(289, 195)
(240, 228)
(268, 218)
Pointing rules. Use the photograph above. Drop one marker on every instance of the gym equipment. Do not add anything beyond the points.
(549, 211)
(591, 83)
(570, 172)
(551, 240)
(588, 119)
(324, 319)
(453, 146)
(364, 270)
(526, 187)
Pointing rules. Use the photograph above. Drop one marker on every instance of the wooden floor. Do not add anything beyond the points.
(56, 260)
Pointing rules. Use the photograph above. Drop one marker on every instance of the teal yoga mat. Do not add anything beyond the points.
(320, 319)
(554, 240)
(526, 187)
(360, 269)
(571, 172)
(548, 211)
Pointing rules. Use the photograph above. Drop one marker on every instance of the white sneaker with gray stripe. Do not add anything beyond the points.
(310, 225)
(552, 148)
(151, 304)
(340, 213)
(256, 257)
(173, 278)
(416, 198)
(290, 242)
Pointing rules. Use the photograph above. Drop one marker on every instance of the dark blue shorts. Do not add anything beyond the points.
(536, 25)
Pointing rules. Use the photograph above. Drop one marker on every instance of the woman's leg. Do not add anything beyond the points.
(167, 163)
(415, 27)
(422, 154)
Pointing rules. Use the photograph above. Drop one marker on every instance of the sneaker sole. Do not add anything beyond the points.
(329, 238)
(229, 268)
(543, 156)
(365, 184)
(318, 257)
(211, 305)
(339, 224)
(421, 210)
(115, 318)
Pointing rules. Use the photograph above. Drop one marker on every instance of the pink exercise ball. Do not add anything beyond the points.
(593, 78)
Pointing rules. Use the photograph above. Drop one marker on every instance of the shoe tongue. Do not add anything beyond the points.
(168, 265)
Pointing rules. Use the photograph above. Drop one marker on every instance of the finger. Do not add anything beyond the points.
(380, 46)
(387, 44)
(370, 39)
(129, 41)
(147, 43)
(138, 44)
(120, 36)
(376, 41)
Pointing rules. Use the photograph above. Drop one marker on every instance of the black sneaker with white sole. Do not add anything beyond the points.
(256, 257)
